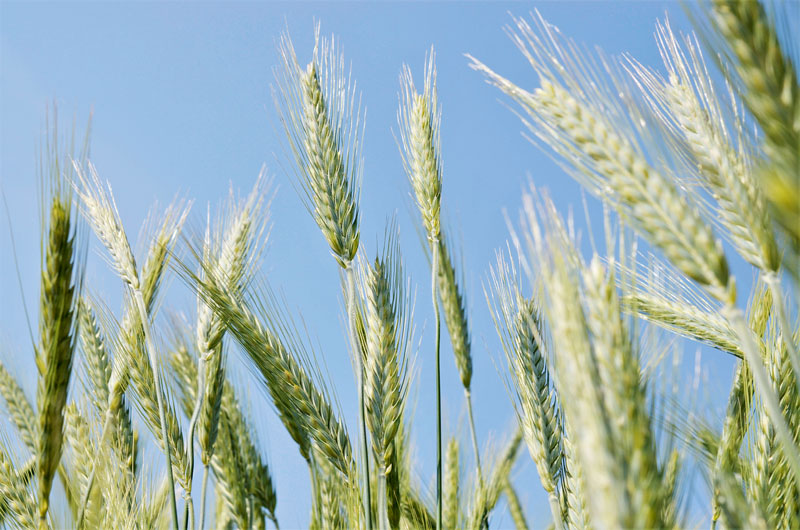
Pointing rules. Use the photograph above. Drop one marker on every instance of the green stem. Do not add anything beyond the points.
(198, 403)
(434, 269)
(383, 506)
(351, 315)
(764, 386)
(474, 437)
(203, 498)
(151, 351)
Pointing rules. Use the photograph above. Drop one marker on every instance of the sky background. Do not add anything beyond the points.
(182, 106)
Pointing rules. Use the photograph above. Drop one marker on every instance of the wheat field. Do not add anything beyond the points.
(140, 418)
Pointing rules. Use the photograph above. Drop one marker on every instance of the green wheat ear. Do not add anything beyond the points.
(59, 294)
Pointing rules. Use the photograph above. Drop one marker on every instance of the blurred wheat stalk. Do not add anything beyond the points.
(686, 160)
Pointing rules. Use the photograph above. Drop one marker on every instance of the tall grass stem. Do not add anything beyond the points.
(438, 335)
(362, 418)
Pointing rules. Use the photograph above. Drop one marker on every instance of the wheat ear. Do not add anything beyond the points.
(452, 478)
(518, 323)
(59, 294)
(771, 92)
(16, 500)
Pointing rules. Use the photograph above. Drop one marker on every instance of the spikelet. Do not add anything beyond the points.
(17, 502)
(20, 411)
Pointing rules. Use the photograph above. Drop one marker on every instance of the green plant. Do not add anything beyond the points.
(673, 155)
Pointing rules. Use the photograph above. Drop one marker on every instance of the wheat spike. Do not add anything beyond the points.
(452, 478)
(772, 94)
(323, 122)
(59, 292)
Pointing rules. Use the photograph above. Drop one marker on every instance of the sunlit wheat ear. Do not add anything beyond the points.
(278, 357)
(713, 142)
(518, 322)
(600, 146)
(321, 114)
(625, 398)
(419, 117)
(769, 82)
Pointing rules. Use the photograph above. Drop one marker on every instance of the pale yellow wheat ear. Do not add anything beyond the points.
(709, 137)
(763, 66)
(588, 115)
(419, 118)
(323, 120)
(607, 420)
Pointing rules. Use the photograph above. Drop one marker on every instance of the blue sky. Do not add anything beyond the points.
(182, 104)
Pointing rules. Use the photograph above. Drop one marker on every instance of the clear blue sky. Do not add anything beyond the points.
(181, 94)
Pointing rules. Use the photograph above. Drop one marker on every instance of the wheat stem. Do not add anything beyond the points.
(201, 526)
(474, 437)
(437, 339)
(351, 318)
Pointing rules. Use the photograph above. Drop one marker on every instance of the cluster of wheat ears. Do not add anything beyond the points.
(681, 160)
